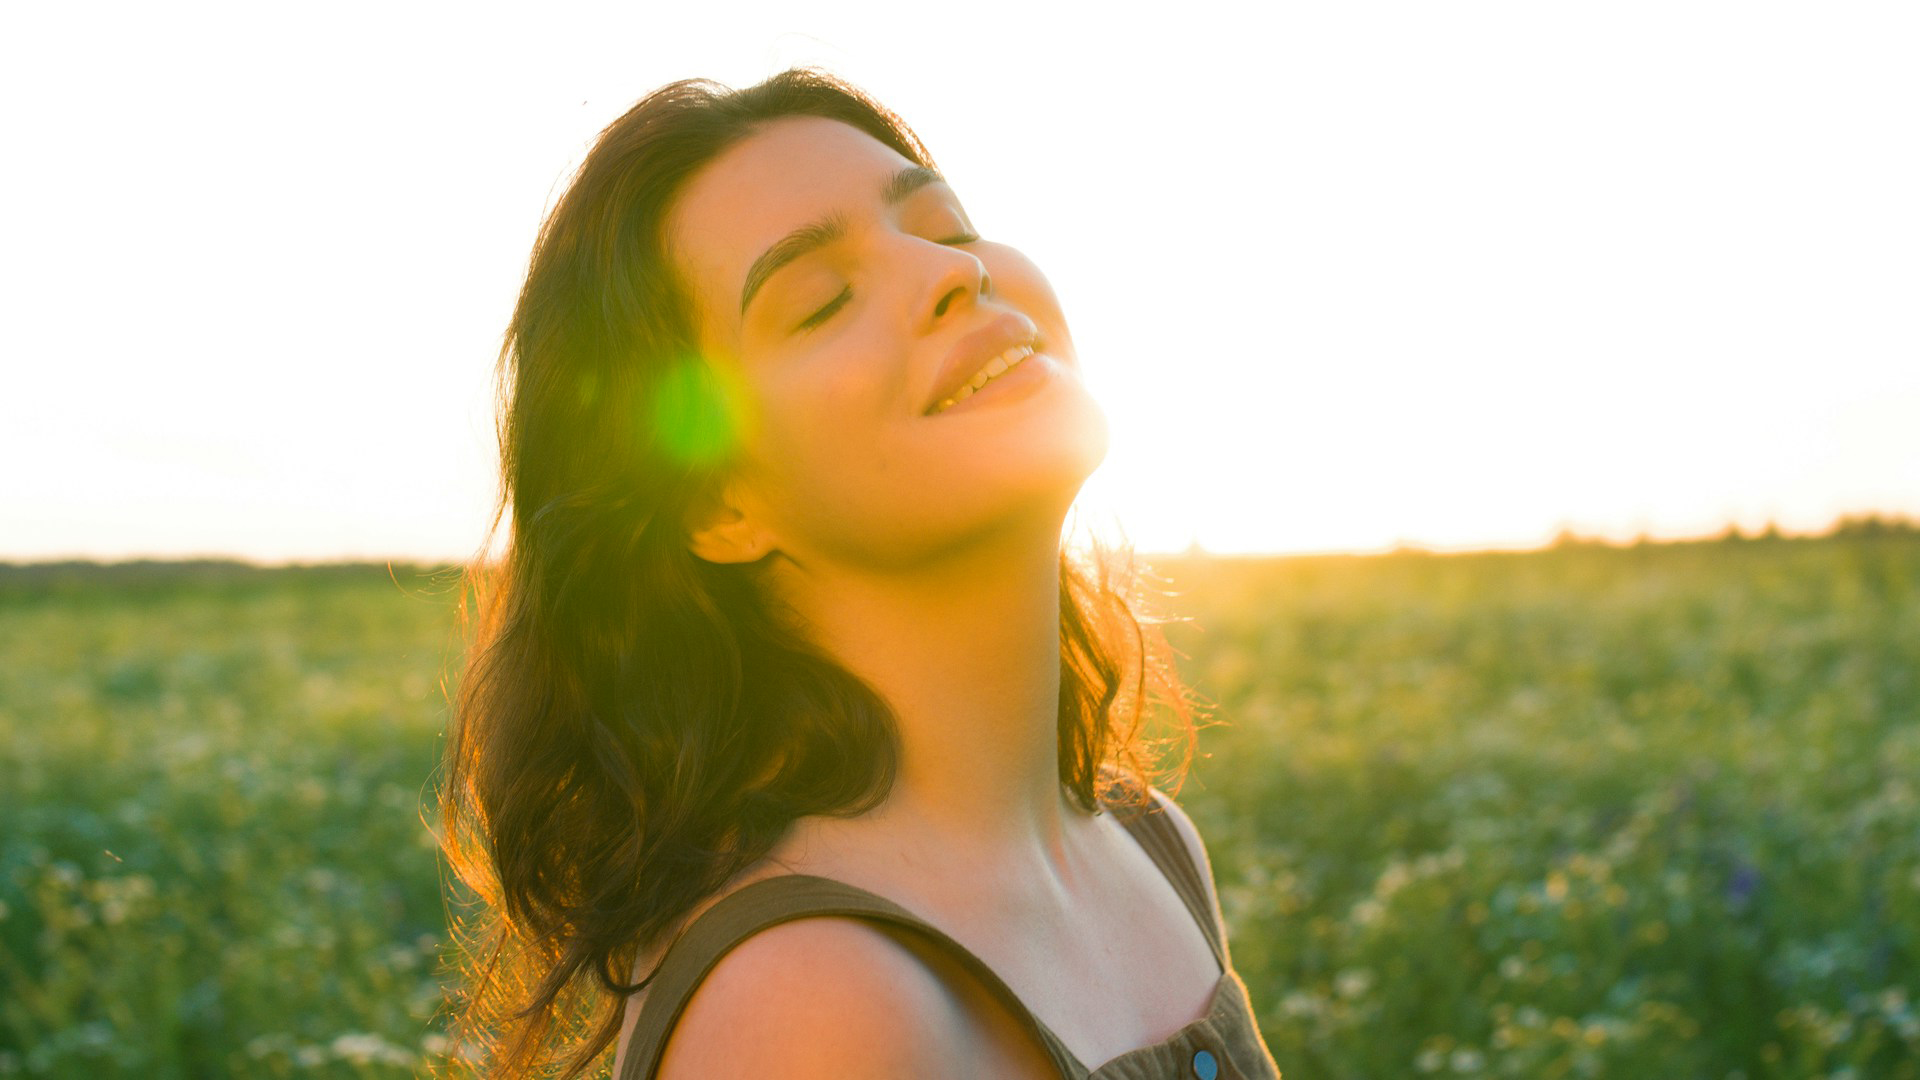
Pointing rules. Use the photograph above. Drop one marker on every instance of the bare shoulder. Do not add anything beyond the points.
(823, 996)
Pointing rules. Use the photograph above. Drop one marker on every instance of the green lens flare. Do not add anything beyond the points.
(696, 413)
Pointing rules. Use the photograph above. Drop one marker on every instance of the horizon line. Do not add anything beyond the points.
(1868, 522)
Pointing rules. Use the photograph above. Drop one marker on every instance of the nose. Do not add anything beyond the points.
(960, 276)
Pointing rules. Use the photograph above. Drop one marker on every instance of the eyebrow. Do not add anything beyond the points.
(818, 234)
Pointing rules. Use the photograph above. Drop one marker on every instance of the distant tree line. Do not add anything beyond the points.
(45, 576)
(1847, 526)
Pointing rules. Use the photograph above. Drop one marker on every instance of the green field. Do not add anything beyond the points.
(1625, 812)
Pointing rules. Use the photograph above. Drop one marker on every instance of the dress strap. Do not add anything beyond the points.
(772, 901)
(1155, 831)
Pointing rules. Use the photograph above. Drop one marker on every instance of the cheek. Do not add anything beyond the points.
(827, 425)
(1016, 278)
(836, 481)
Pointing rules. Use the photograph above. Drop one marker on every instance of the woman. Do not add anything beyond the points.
(787, 732)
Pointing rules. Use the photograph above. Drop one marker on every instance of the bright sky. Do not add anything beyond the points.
(1343, 274)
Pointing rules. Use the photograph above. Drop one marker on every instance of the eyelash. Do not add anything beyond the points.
(846, 293)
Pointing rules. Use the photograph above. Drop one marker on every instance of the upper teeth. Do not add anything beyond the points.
(999, 365)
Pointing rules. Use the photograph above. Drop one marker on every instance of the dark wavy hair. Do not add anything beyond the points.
(634, 725)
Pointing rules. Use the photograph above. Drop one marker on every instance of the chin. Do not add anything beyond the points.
(1098, 438)
(1085, 432)
(1071, 446)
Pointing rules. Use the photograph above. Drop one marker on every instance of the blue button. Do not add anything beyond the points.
(1204, 1067)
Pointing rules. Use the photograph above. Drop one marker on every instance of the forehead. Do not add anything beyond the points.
(789, 172)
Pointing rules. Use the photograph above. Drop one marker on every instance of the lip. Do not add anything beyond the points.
(972, 352)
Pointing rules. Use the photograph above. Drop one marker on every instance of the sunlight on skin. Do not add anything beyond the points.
(702, 412)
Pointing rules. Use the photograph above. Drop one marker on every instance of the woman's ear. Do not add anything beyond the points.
(720, 532)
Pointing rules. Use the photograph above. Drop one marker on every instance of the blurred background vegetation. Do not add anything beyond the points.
(1590, 811)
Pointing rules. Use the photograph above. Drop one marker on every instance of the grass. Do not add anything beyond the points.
(1585, 812)
(214, 861)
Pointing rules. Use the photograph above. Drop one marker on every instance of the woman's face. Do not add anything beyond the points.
(841, 350)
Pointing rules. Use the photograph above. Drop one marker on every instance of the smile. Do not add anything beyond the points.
(995, 368)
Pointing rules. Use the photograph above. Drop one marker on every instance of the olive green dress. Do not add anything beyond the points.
(1223, 1044)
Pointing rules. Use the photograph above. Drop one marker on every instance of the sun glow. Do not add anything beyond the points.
(1422, 275)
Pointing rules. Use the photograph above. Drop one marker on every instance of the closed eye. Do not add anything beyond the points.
(846, 293)
(826, 313)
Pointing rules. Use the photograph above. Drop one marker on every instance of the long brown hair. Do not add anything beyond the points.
(635, 725)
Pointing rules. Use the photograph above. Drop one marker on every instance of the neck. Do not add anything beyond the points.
(967, 653)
